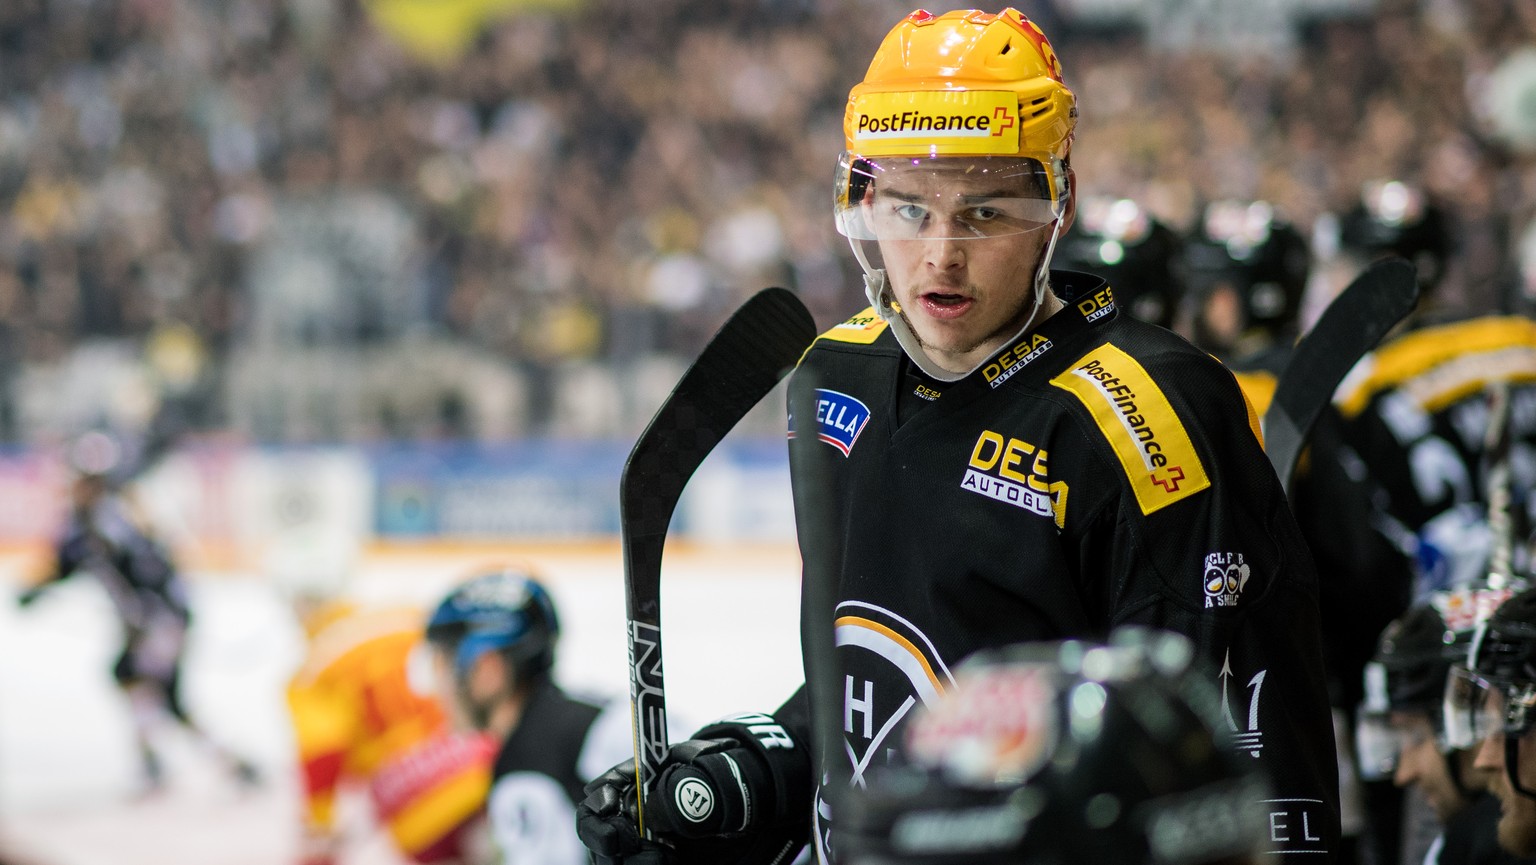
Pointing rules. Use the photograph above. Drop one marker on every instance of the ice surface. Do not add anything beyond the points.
(68, 768)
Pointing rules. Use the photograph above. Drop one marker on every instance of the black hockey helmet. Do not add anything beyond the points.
(1415, 653)
(1118, 239)
(1501, 661)
(1062, 753)
(1248, 248)
(1409, 672)
(1394, 217)
(505, 610)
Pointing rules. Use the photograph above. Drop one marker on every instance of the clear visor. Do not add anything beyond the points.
(1377, 747)
(1382, 737)
(1476, 708)
(944, 198)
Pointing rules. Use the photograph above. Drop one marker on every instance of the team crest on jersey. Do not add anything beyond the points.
(840, 419)
(1226, 575)
(1143, 429)
(889, 668)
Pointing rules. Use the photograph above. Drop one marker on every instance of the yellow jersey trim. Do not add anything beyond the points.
(862, 329)
(1258, 388)
(433, 816)
(1142, 428)
(1438, 366)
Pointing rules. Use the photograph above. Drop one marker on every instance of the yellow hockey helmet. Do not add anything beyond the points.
(962, 84)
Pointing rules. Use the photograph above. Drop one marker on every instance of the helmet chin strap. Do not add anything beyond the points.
(1512, 765)
(878, 289)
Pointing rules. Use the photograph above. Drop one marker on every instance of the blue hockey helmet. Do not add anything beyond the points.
(505, 610)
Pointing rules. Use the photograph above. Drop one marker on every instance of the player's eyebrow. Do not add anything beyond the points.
(971, 197)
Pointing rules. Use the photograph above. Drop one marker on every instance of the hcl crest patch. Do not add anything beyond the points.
(840, 419)
(1225, 576)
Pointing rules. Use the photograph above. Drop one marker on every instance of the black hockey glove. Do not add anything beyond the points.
(737, 794)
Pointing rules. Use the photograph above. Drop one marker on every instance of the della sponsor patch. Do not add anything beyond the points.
(840, 419)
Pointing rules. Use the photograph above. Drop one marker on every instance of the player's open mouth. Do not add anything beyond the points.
(942, 305)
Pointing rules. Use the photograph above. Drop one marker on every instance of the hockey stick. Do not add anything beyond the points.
(744, 360)
(1496, 447)
(1349, 328)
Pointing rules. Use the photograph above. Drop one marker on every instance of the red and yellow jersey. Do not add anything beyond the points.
(358, 720)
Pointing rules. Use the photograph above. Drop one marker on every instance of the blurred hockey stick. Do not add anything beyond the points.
(1501, 524)
(1351, 326)
(742, 363)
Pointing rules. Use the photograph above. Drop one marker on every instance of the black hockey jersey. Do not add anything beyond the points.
(1414, 420)
(1097, 472)
(560, 743)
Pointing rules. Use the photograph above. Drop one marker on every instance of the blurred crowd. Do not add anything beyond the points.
(277, 219)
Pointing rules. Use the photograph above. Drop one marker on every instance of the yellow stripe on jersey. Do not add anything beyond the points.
(1140, 424)
(898, 649)
(430, 817)
(1437, 366)
(862, 329)
(1258, 387)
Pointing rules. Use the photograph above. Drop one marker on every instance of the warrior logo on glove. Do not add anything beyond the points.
(694, 800)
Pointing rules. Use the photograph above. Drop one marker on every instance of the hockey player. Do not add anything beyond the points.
(1005, 771)
(362, 719)
(993, 454)
(1118, 239)
(1402, 726)
(1415, 413)
(1247, 269)
(1488, 708)
(493, 639)
(107, 537)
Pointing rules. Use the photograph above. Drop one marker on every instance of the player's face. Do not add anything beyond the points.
(1421, 764)
(1517, 822)
(444, 689)
(957, 260)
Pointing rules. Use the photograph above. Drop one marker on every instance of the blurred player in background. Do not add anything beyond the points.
(1489, 709)
(1247, 269)
(994, 453)
(364, 715)
(1138, 255)
(493, 641)
(107, 537)
(1402, 723)
(1394, 497)
(1066, 754)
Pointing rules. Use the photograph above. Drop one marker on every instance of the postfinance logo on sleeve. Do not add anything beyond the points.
(1142, 427)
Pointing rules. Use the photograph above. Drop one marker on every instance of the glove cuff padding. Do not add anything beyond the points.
(784, 760)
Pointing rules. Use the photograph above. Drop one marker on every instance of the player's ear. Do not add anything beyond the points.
(1069, 193)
